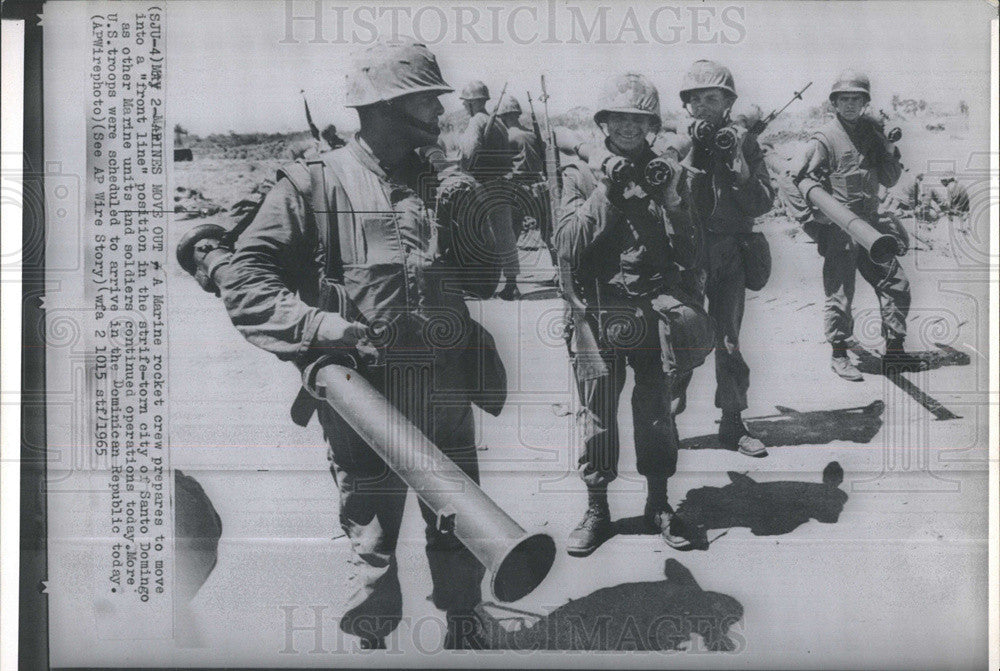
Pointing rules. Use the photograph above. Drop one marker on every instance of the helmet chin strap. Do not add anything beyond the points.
(409, 120)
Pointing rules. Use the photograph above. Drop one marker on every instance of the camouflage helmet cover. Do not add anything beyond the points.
(385, 71)
(509, 105)
(630, 93)
(851, 81)
(707, 75)
(475, 90)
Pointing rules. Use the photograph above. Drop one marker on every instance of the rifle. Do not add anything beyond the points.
(496, 108)
(538, 134)
(312, 127)
(761, 124)
(580, 338)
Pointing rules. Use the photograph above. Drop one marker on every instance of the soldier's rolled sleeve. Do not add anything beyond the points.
(755, 197)
(259, 288)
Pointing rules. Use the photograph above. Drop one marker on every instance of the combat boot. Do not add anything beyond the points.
(734, 435)
(594, 528)
(842, 366)
(660, 517)
(465, 632)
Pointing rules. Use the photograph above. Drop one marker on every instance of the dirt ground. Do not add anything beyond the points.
(884, 569)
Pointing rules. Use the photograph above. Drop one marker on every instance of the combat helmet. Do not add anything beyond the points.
(385, 71)
(475, 90)
(707, 75)
(630, 93)
(851, 81)
(509, 105)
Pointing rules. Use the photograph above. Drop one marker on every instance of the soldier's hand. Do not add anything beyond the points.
(335, 331)
(737, 161)
(806, 163)
(671, 189)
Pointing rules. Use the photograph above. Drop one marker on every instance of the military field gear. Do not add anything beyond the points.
(857, 160)
(527, 164)
(509, 105)
(845, 368)
(636, 337)
(595, 527)
(857, 163)
(626, 244)
(372, 499)
(485, 152)
(385, 71)
(756, 255)
(475, 90)
(707, 75)
(720, 202)
(371, 246)
(850, 81)
(724, 209)
(842, 260)
(630, 93)
(664, 521)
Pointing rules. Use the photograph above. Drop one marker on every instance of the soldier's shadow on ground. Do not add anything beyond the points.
(790, 427)
(766, 508)
(661, 615)
(871, 364)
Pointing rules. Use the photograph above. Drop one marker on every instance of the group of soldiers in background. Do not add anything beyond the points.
(657, 245)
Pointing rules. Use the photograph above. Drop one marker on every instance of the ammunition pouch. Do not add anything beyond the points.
(756, 256)
(686, 333)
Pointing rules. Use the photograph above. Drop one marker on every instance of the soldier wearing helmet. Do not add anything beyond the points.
(730, 187)
(487, 156)
(343, 249)
(852, 155)
(529, 205)
(616, 239)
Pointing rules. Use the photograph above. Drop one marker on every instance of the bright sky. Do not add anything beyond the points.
(229, 70)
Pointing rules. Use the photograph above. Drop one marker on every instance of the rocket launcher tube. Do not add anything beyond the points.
(881, 248)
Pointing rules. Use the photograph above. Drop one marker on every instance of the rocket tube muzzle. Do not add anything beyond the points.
(881, 248)
(517, 560)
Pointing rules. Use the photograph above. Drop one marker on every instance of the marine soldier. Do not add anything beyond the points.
(854, 155)
(369, 262)
(956, 203)
(530, 209)
(730, 186)
(486, 155)
(616, 238)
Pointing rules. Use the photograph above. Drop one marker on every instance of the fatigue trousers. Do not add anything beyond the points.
(842, 257)
(501, 200)
(725, 289)
(656, 439)
(372, 499)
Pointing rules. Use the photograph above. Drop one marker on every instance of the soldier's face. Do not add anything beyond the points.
(628, 131)
(424, 106)
(710, 104)
(427, 109)
(850, 105)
